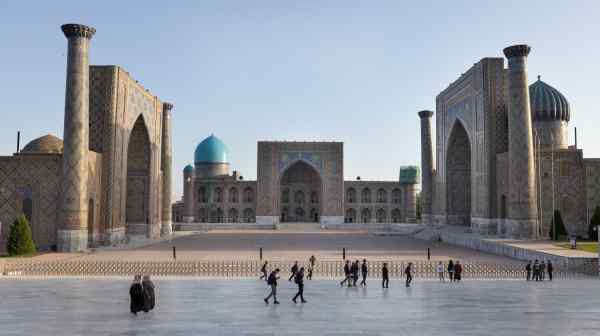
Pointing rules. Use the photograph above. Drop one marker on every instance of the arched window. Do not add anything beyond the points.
(233, 215)
(285, 196)
(350, 215)
(351, 195)
(202, 215)
(202, 195)
(233, 195)
(396, 216)
(299, 214)
(314, 215)
(314, 197)
(218, 195)
(396, 196)
(248, 195)
(381, 196)
(285, 214)
(381, 217)
(366, 195)
(219, 215)
(299, 197)
(366, 215)
(248, 215)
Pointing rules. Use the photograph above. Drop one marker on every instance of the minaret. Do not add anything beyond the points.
(188, 194)
(167, 225)
(72, 233)
(426, 166)
(522, 209)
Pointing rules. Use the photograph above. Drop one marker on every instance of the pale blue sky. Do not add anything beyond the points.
(351, 71)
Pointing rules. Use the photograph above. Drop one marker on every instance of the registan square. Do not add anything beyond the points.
(309, 168)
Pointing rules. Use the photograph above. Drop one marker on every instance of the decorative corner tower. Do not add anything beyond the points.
(426, 166)
(73, 233)
(522, 208)
(188, 194)
(166, 155)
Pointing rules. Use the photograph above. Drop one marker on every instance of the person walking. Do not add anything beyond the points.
(293, 270)
(263, 270)
(536, 270)
(364, 270)
(136, 295)
(451, 270)
(543, 270)
(550, 269)
(272, 282)
(354, 269)
(299, 280)
(408, 273)
(385, 276)
(440, 271)
(149, 296)
(457, 271)
(346, 274)
(528, 270)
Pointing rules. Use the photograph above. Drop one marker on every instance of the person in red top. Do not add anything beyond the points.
(457, 271)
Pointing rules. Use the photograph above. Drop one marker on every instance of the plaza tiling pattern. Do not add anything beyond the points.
(216, 307)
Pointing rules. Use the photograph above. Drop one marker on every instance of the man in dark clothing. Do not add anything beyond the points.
(451, 270)
(312, 260)
(272, 281)
(408, 273)
(542, 270)
(364, 270)
(299, 279)
(354, 269)
(536, 271)
(136, 294)
(263, 270)
(149, 297)
(346, 274)
(293, 271)
(385, 276)
(528, 270)
(550, 269)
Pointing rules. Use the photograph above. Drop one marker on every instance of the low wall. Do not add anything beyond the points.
(499, 248)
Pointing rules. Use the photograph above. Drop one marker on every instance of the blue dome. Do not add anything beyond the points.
(211, 150)
(188, 169)
(547, 103)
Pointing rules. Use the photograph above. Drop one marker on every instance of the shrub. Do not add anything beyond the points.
(594, 222)
(557, 222)
(19, 238)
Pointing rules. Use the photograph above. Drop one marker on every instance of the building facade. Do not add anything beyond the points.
(296, 182)
(110, 178)
(502, 160)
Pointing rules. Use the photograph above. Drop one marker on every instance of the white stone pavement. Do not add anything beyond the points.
(210, 307)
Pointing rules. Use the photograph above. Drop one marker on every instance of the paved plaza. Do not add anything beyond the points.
(290, 245)
(209, 307)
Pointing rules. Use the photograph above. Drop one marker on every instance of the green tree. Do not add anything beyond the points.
(557, 223)
(594, 222)
(20, 241)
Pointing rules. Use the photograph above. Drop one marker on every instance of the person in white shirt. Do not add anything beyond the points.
(440, 271)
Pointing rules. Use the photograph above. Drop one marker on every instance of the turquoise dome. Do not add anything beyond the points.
(547, 103)
(188, 169)
(211, 150)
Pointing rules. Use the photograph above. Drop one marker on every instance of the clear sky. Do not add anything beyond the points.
(351, 71)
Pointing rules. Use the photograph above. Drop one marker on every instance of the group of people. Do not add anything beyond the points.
(142, 294)
(351, 273)
(454, 270)
(537, 270)
(296, 274)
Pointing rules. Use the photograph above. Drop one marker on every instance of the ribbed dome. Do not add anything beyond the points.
(547, 103)
(45, 144)
(211, 150)
(188, 169)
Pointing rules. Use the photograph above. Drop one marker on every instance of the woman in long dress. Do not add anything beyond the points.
(149, 297)
(136, 294)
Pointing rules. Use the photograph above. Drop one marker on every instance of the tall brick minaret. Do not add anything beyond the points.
(522, 208)
(426, 166)
(73, 233)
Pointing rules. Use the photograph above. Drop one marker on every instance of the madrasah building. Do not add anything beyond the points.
(502, 161)
(297, 182)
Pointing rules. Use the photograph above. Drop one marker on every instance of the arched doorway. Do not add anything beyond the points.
(350, 215)
(138, 180)
(300, 185)
(458, 176)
